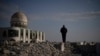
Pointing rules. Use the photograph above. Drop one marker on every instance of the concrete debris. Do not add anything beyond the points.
(34, 49)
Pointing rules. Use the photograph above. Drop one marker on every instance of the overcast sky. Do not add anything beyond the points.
(81, 17)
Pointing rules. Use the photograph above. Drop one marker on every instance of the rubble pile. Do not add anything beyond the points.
(34, 49)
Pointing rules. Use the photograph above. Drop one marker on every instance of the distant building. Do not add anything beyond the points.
(84, 48)
(86, 43)
(19, 32)
(98, 49)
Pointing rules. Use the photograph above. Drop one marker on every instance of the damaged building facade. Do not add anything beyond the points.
(19, 32)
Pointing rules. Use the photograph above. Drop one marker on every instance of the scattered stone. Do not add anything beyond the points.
(35, 49)
(13, 53)
(6, 51)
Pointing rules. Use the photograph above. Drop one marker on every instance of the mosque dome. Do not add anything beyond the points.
(18, 19)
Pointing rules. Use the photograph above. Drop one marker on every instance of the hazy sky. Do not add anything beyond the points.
(81, 17)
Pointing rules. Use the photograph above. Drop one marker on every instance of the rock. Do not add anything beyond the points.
(5, 51)
(13, 53)
(35, 49)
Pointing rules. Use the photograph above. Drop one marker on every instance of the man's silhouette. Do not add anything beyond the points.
(63, 31)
